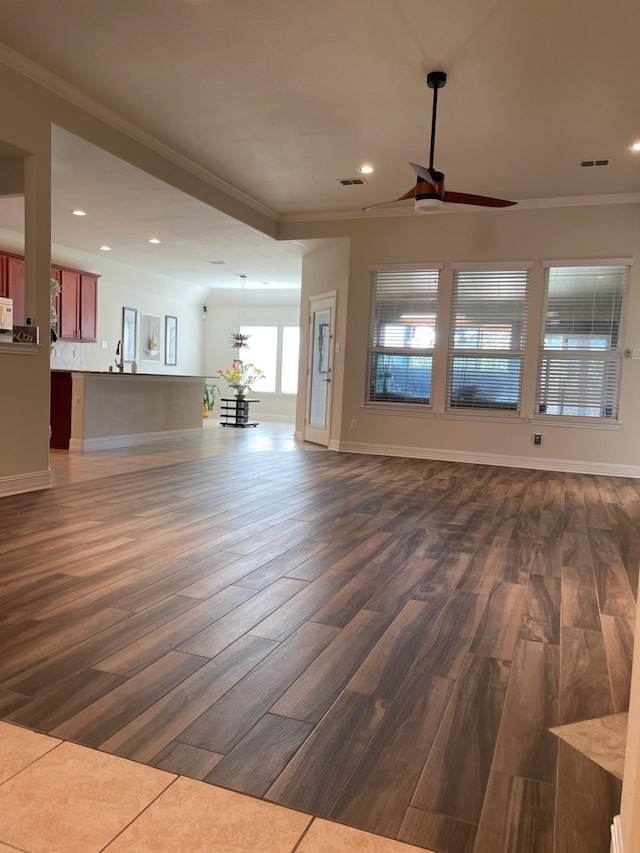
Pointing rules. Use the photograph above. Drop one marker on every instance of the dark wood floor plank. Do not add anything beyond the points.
(618, 635)
(541, 610)
(384, 670)
(65, 700)
(225, 630)
(437, 832)
(185, 760)
(161, 723)
(454, 779)
(497, 632)
(156, 643)
(221, 727)
(526, 809)
(614, 592)
(442, 577)
(312, 694)
(259, 758)
(398, 750)
(525, 747)
(333, 750)
(93, 724)
(41, 677)
(479, 575)
(283, 621)
(585, 690)
(588, 798)
(397, 591)
(445, 645)
(579, 599)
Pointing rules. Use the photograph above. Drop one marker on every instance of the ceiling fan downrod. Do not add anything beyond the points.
(435, 80)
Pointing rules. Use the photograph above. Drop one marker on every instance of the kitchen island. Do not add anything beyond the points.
(98, 411)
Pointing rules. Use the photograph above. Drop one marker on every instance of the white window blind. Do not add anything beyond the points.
(488, 324)
(580, 355)
(402, 335)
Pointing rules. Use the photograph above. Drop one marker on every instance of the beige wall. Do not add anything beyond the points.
(27, 111)
(609, 231)
(325, 269)
(222, 320)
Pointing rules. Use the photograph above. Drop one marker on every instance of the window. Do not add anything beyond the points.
(402, 336)
(580, 349)
(487, 340)
(275, 350)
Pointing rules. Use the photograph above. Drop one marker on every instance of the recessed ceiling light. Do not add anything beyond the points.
(154, 240)
(78, 212)
(635, 146)
(366, 169)
(105, 248)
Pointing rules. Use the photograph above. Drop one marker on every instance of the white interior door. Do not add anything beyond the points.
(322, 312)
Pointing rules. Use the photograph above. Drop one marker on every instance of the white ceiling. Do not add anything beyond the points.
(282, 98)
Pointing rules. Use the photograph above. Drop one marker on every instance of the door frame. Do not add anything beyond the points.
(313, 434)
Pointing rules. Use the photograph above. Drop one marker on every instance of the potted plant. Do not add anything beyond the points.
(211, 394)
(241, 376)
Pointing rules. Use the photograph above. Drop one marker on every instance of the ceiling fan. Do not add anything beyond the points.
(429, 192)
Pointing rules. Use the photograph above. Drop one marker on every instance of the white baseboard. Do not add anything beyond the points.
(569, 465)
(298, 435)
(21, 483)
(88, 445)
(265, 416)
(334, 444)
(616, 835)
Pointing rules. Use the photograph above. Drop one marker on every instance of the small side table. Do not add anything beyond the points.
(235, 413)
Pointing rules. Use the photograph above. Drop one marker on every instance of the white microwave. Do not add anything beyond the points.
(6, 314)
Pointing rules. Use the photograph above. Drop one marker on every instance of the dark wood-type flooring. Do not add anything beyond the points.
(380, 641)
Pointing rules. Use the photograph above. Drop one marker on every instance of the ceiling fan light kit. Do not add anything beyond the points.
(429, 192)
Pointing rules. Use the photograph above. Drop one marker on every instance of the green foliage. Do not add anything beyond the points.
(211, 394)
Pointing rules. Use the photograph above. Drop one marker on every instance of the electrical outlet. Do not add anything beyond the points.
(537, 438)
(354, 424)
(104, 344)
(636, 353)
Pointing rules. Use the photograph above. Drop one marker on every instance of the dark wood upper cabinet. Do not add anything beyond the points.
(78, 306)
(12, 285)
(88, 307)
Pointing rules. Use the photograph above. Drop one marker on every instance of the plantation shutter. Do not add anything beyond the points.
(402, 335)
(488, 326)
(580, 356)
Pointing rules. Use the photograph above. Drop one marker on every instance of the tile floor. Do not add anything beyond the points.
(58, 797)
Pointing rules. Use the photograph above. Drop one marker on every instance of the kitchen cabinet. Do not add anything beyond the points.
(78, 306)
(12, 285)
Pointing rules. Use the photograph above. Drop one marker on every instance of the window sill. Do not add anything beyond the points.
(490, 417)
(577, 423)
(403, 410)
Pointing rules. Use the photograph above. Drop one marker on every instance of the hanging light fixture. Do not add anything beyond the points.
(238, 340)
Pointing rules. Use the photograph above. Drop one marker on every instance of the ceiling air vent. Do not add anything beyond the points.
(351, 182)
(586, 163)
(216, 263)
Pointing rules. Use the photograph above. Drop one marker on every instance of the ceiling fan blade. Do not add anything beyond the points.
(423, 172)
(410, 194)
(481, 200)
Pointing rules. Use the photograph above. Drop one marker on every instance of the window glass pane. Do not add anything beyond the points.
(262, 352)
(580, 357)
(400, 378)
(488, 326)
(290, 356)
(402, 336)
(485, 383)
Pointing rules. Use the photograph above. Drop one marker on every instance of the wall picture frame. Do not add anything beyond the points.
(129, 334)
(150, 348)
(170, 340)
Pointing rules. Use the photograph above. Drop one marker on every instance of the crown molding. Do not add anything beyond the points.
(447, 210)
(80, 99)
